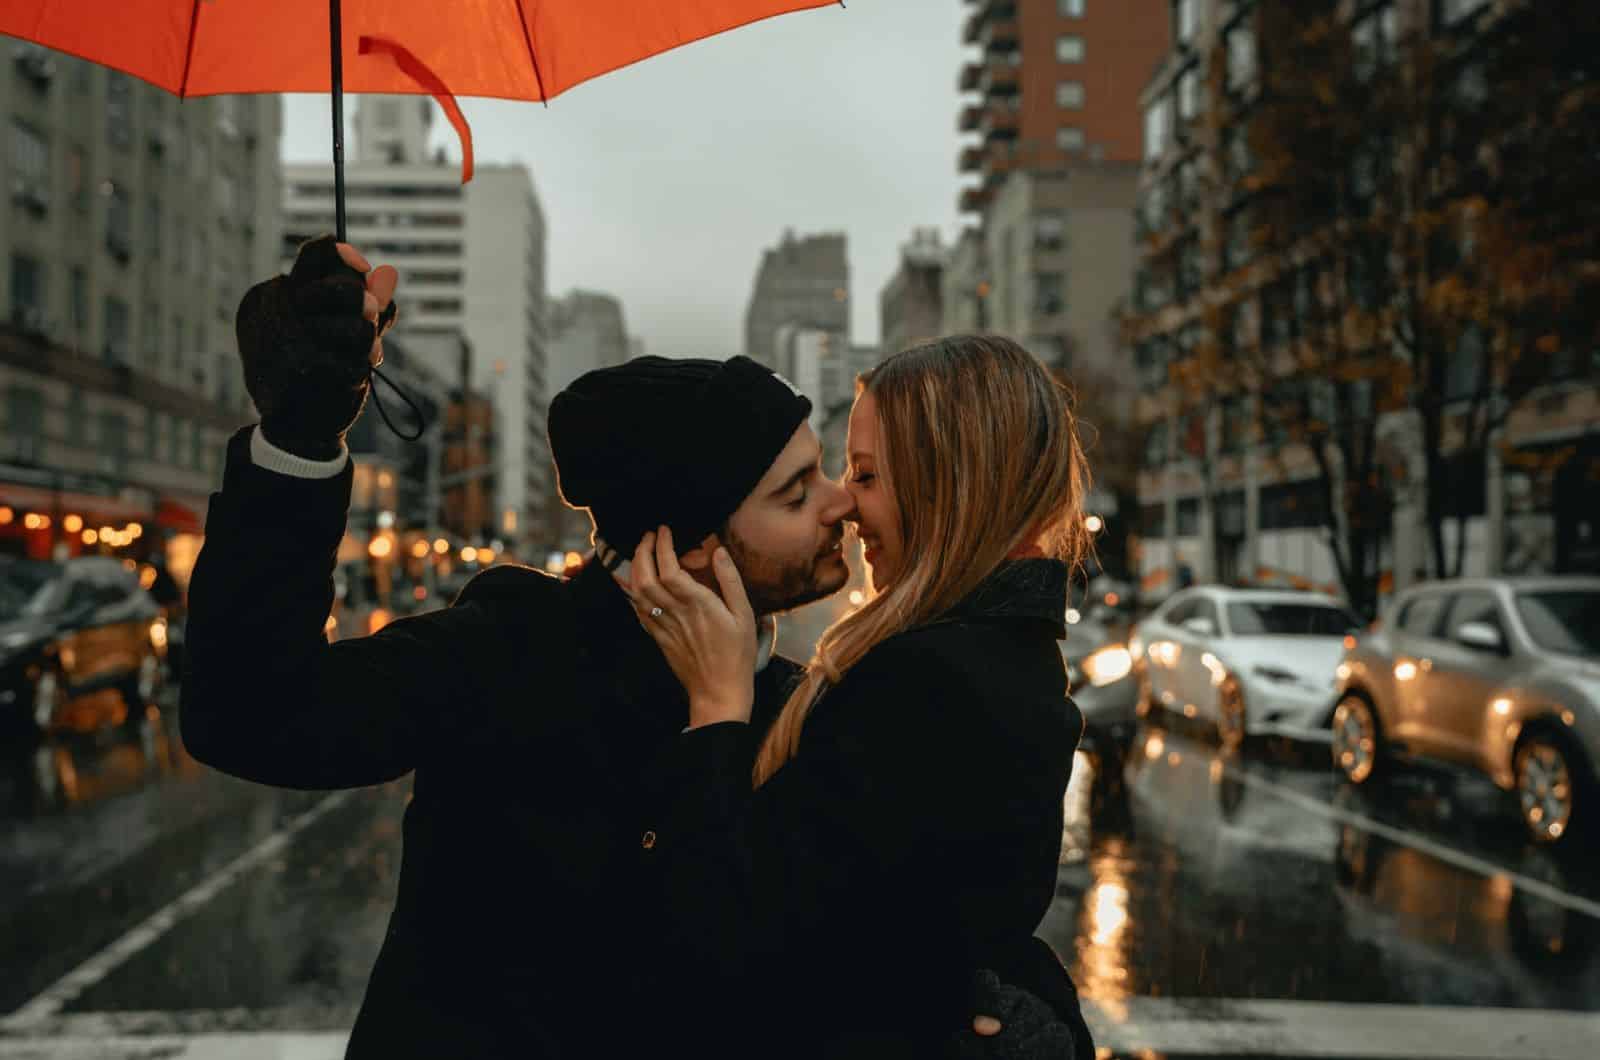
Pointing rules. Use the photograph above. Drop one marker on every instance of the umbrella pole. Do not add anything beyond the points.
(337, 51)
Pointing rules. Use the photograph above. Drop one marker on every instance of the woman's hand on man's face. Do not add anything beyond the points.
(709, 640)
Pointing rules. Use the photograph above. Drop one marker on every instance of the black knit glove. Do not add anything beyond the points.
(308, 348)
(1029, 1029)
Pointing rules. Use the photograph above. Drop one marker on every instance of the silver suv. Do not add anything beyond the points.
(1498, 675)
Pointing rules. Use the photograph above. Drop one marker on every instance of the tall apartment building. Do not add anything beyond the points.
(911, 304)
(131, 225)
(1057, 81)
(472, 264)
(1056, 158)
(802, 281)
(1225, 491)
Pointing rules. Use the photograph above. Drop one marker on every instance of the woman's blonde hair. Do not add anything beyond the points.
(978, 448)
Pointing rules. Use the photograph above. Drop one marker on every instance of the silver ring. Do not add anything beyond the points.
(656, 612)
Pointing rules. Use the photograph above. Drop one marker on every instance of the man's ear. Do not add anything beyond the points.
(699, 557)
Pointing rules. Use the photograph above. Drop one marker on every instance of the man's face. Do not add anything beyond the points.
(787, 536)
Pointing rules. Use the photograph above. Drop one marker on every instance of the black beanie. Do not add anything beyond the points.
(680, 442)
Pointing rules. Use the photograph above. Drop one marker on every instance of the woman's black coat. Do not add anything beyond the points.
(913, 837)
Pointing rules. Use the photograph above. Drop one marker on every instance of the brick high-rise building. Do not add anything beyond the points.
(1057, 81)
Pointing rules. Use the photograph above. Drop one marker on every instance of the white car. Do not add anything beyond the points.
(1249, 660)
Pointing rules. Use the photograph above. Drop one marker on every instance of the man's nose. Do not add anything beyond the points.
(840, 506)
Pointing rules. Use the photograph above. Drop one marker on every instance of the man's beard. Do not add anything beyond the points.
(775, 586)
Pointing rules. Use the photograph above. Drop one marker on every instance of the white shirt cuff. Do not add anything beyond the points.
(264, 454)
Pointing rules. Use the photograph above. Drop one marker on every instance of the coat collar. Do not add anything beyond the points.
(1020, 589)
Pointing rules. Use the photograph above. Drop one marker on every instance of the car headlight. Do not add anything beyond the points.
(1111, 663)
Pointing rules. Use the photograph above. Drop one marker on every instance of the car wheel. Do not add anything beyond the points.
(46, 700)
(1547, 787)
(1231, 726)
(1357, 740)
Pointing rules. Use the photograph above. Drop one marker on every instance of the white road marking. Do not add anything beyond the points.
(1188, 1027)
(1450, 855)
(51, 1000)
(1320, 1029)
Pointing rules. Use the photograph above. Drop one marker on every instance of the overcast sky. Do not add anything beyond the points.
(662, 183)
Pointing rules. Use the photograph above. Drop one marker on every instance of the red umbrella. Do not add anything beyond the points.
(505, 49)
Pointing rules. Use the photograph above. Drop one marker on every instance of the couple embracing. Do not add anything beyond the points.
(635, 827)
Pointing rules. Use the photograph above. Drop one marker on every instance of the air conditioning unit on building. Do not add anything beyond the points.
(28, 319)
(35, 64)
(30, 193)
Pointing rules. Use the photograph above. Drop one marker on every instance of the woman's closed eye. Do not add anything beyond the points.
(861, 478)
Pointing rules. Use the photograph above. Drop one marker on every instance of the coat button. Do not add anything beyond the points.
(648, 841)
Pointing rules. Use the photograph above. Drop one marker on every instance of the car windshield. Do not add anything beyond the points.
(1564, 621)
(26, 588)
(1279, 619)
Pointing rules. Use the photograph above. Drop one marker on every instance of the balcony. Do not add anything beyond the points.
(972, 159)
(1000, 77)
(975, 200)
(1000, 123)
(1000, 34)
(971, 117)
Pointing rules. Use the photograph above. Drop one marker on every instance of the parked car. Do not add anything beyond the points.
(1499, 676)
(1100, 676)
(81, 645)
(1248, 660)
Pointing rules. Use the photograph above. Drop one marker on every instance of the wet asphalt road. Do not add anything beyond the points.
(1253, 879)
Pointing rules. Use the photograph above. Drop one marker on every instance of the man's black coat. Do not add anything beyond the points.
(530, 712)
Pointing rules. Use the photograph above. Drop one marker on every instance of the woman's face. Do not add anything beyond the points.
(877, 518)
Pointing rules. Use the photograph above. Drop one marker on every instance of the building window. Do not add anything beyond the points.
(1241, 56)
(77, 418)
(77, 179)
(1049, 232)
(1069, 48)
(119, 109)
(114, 442)
(119, 222)
(1070, 8)
(1150, 359)
(78, 300)
(150, 337)
(27, 293)
(1191, 270)
(1070, 138)
(1375, 37)
(1185, 21)
(1188, 95)
(175, 429)
(1464, 373)
(1049, 294)
(1157, 127)
(1452, 12)
(116, 345)
(152, 432)
(152, 228)
(197, 447)
(25, 417)
(1069, 95)
(30, 164)
(1240, 245)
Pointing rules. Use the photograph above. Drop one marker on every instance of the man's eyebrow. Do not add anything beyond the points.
(795, 479)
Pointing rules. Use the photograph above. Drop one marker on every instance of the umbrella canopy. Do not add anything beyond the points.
(504, 49)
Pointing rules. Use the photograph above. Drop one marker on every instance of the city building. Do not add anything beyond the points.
(132, 225)
(472, 265)
(910, 307)
(1057, 82)
(804, 281)
(1059, 251)
(1056, 157)
(1271, 454)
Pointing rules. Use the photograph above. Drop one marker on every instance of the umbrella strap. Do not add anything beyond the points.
(416, 413)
